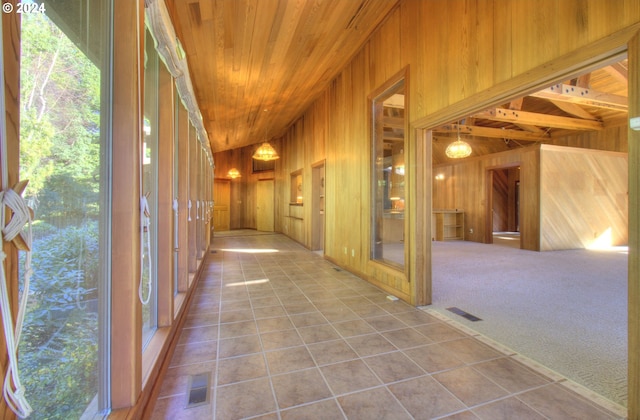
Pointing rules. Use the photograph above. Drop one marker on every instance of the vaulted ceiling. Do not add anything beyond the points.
(256, 65)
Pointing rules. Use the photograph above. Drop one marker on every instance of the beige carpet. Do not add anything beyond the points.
(564, 309)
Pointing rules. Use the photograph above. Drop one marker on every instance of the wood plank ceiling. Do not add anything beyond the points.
(256, 65)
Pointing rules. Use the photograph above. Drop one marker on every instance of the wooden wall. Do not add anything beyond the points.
(243, 190)
(505, 199)
(568, 196)
(583, 199)
(613, 139)
(487, 52)
(473, 59)
(465, 187)
(462, 55)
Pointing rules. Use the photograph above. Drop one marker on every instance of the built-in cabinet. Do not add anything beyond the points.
(447, 225)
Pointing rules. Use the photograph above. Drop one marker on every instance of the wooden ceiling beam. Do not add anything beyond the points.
(573, 109)
(584, 81)
(619, 72)
(540, 120)
(489, 132)
(393, 122)
(516, 103)
(582, 96)
(392, 136)
(531, 128)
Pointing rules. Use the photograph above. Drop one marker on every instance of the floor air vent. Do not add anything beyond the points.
(464, 314)
(213, 251)
(198, 390)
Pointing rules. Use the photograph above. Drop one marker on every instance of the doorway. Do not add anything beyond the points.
(510, 203)
(265, 205)
(317, 206)
(503, 186)
(222, 201)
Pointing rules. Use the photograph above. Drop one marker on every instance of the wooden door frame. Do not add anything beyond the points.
(218, 181)
(633, 383)
(273, 182)
(568, 66)
(488, 225)
(315, 201)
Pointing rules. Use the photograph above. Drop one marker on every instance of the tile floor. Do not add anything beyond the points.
(284, 334)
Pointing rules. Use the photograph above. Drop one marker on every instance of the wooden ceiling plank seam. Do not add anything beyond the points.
(218, 37)
(267, 98)
(206, 10)
(309, 66)
(228, 11)
(264, 99)
(244, 33)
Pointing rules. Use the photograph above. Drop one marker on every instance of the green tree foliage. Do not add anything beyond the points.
(60, 115)
(60, 156)
(59, 346)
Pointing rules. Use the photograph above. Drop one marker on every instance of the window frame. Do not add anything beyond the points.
(398, 82)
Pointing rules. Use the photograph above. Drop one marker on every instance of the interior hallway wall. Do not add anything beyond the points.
(483, 45)
(243, 194)
(465, 186)
(584, 198)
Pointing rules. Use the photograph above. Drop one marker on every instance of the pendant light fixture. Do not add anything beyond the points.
(233, 173)
(265, 152)
(459, 148)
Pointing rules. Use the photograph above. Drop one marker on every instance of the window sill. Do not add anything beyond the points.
(152, 353)
(178, 301)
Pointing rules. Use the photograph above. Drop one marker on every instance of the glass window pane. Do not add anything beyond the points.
(64, 155)
(149, 190)
(176, 171)
(193, 197)
(388, 169)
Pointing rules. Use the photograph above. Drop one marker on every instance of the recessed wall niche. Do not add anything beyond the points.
(296, 187)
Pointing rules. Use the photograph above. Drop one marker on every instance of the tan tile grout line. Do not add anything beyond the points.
(591, 396)
(383, 384)
(496, 346)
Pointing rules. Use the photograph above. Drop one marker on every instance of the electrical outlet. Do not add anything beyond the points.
(353, 252)
(471, 231)
(345, 250)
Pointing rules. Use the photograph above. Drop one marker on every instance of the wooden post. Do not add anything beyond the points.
(11, 80)
(183, 198)
(166, 106)
(126, 317)
(633, 391)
